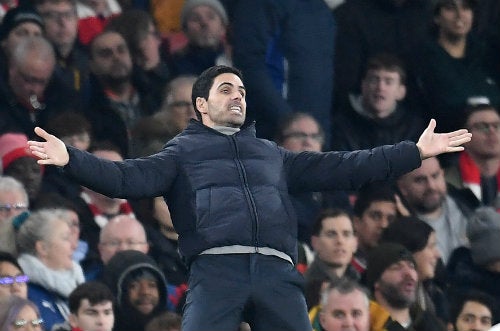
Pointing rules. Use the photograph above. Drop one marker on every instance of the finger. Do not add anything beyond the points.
(42, 133)
(432, 125)
(458, 133)
(455, 149)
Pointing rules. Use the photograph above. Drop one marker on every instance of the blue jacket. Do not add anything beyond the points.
(53, 307)
(227, 190)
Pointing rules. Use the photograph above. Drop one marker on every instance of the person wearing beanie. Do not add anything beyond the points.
(393, 278)
(420, 239)
(478, 266)
(18, 23)
(204, 23)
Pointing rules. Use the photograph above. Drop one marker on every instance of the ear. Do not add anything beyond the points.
(73, 321)
(314, 242)
(41, 248)
(202, 105)
(401, 93)
(322, 319)
(449, 327)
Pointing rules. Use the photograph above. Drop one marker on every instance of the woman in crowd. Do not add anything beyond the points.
(19, 314)
(46, 249)
(12, 278)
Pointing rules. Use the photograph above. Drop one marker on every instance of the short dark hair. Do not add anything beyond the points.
(329, 212)
(204, 82)
(8, 257)
(386, 61)
(472, 109)
(459, 301)
(375, 191)
(409, 231)
(95, 292)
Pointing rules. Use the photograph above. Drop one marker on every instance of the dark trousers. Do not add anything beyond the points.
(264, 291)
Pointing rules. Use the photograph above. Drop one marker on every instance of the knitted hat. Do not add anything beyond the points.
(483, 231)
(12, 147)
(16, 16)
(215, 4)
(383, 256)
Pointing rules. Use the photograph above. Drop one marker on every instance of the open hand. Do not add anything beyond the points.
(432, 144)
(52, 151)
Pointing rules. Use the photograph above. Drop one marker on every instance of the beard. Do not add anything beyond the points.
(394, 296)
(427, 205)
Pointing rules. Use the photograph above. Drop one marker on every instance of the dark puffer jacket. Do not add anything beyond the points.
(234, 189)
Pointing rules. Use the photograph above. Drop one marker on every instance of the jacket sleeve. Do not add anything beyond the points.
(134, 178)
(308, 171)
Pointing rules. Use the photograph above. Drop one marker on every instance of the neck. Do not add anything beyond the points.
(121, 92)
(434, 214)
(400, 315)
(487, 166)
(455, 47)
(64, 50)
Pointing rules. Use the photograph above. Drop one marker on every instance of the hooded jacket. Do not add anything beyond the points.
(225, 190)
(116, 275)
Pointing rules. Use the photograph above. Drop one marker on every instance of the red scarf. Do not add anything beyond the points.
(99, 217)
(471, 176)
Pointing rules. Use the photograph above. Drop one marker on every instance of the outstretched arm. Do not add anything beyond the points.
(432, 144)
(51, 151)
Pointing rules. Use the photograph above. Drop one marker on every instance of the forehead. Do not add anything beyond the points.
(341, 222)
(30, 26)
(383, 73)
(202, 10)
(382, 206)
(474, 307)
(56, 5)
(345, 301)
(107, 40)
(304, 123)
(227, 78)
(483, 115)
(7, 268)
(104, 305)
(9, 196)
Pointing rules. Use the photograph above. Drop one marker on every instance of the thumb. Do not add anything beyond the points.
(431, 126)
(42, 133)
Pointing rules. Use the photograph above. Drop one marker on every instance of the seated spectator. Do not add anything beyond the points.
(374, 209)
(46, 254)
(368, 27)
(427, 197)
(61, 29)
(13, 281)
(204, 23)
(392, 277)
(344, 306)
(19, 313)
(474, 310)
(452, 67)
(334, 245)
(420, 239)
(18, 162)
(478, 165)
(93, 15)
(113, 101)
(13, 201)
(91, 307)
(478, 267)
(139, 287)
(300, 132)
(378, 115)
(151, 73)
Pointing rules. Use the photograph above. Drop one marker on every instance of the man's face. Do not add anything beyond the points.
(397, 284)
(303, 135)
(454, 20)
(27, 171)
(98, 317)
(424, 188)
(474, 317)
(30, 78)
(345, 312)
(123, 235)
(204, 27)
(178, 103)
(381, 90)
(21, 31)
(336, 242)
(485, 128)
(110, 60)
(375, 219)
(144, 295)
(12, 203)
(61, 22)
(226, 104)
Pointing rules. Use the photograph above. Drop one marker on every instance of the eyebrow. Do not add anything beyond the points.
(231, 84)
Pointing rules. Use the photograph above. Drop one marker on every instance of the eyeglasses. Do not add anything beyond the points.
(485, 127)
(303, 136)
(8, 281)
(7, 208)
(22, 322)
(126, 243)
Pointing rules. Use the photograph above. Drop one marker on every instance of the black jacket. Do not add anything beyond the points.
(227, 190)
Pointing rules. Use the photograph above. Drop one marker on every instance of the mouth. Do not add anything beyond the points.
(236, 109)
